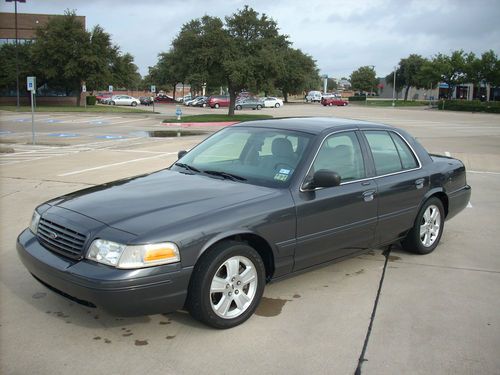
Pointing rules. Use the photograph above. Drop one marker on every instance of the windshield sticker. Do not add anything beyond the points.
(285, 171)
(281, 177)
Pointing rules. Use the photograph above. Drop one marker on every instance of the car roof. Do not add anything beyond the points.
(313, 125)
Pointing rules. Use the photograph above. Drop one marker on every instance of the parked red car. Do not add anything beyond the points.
(103, 95)
(216, 101)
(164, 99)
(333, 101)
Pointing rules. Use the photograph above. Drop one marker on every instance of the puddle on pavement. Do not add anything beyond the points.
(270, 306)
(141, 342)
(393, 258)
(167, 133)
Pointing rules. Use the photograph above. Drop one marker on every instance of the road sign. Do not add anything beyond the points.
(31, 83)
(153, 88)
(84, 88)
(110, 88)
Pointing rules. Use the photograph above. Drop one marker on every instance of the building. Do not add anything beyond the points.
(27, 25)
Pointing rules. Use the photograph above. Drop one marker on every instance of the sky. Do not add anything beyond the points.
(340, 35)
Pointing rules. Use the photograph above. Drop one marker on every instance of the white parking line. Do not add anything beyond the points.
(115, 164)
(484, 172)
(446, 153)
(469, 205)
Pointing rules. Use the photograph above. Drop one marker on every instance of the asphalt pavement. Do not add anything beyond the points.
(436, 314)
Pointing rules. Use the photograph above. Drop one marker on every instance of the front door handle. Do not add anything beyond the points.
(419, 183)
(368, 195)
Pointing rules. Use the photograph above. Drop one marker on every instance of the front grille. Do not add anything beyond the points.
(60, 239)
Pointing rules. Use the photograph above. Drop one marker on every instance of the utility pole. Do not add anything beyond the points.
(394, 88)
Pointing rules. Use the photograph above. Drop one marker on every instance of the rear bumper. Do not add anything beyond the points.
(458, 200)
(120, 292)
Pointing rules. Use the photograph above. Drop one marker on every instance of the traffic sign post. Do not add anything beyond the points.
(84, 90)
(110, 88)
(31, 86)
(153, 90)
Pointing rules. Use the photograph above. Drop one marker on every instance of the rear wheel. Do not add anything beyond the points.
(134, 104)
(259, 106)
(424, 237)
(238, 107)
(277, 105)
(216, 105)
(112, 103)
(227, 285)
(330, 104)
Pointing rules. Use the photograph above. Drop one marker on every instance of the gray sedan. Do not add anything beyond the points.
(253, 103)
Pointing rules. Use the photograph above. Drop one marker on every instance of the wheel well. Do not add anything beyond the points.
(260, 245)
(444, 199)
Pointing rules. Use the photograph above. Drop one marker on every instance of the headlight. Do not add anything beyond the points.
(34, 222)
(133, 256)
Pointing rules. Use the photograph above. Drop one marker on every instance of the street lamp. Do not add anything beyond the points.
(17, 53)
(394, 88)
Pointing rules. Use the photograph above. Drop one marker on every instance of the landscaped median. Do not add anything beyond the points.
(361, 100)
(212, 120)
(67, 108)
(469, 106)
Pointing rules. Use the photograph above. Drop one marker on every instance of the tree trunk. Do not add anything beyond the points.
(79, 98)
(232, 101)
(285, 96)
(406, 92)
(173, 95)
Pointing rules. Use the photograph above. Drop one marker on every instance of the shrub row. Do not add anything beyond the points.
(91, 100)
(357, 98)
(469, 106)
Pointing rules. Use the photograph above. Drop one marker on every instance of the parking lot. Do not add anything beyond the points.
(437, 314)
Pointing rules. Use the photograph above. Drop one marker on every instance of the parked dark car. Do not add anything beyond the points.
(195, 101)
(216, 101)
(333, 101)
(249, 102)
(146, 100)
(253, 203)
(200, 103)
(164, 99)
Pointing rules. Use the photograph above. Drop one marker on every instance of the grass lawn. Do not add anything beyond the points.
(388, 103)
(65, 108)
(217, 118)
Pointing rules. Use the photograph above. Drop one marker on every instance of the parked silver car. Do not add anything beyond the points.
(124, 100)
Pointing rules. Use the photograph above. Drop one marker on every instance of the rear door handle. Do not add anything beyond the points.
(419, 183)
(368, 195)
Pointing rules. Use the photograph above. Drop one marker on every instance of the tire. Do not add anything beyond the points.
(238, 107)
(216, 105)
(330, 104)
(344, 104)
(277, 105)
(204, 105)
(259, 107)
(424, 237)
(134, 104)
(220, 309)
(111, 103)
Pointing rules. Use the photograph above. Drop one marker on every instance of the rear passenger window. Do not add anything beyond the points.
(407, 158)
(390, 153)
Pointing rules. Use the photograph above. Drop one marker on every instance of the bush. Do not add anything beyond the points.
(469, 106)
(357, 98)
(91, 100)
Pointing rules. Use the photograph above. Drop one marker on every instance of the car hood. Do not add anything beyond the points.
(138, 205)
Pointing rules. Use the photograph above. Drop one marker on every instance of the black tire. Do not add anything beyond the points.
(134, 104)
(413, 241)
(330, 104)
(344, 104)
(238, 107)
(277, 105)
(111, 103)
(216, 105)
(259, 107)
(200, 299)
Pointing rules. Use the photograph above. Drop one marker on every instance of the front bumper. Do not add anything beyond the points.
(135, 292)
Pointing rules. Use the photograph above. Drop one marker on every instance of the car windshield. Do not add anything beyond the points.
(260, 156)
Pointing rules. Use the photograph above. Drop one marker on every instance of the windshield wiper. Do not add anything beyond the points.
(226, 175)
(188, 167)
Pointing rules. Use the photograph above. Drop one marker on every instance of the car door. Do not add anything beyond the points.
(401, 183)
(337, 221)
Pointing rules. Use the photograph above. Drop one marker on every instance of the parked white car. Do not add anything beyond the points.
(271, 101)
(124, 100)
(313, 96)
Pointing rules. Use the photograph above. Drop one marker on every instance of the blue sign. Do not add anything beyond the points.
(178, 111)
(4, 132)
(443, 86)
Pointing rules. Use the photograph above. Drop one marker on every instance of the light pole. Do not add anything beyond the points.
(394, 88)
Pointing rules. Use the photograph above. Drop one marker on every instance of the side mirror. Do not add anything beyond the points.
(181, 153)
(323, 178)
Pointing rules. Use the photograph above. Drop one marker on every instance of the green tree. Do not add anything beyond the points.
(8, 64)
(450, 69)
(407, 74)
(364, 79)
(298, 74)
(490, 68)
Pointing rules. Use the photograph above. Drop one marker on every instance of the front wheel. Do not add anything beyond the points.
(424, 237)
(277, 105)
(112, 103)
(227, 285)
(216, 105)
(134, 104)
(238, 107)
(259, 107)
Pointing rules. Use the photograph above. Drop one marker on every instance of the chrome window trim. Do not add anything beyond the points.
(367, 178)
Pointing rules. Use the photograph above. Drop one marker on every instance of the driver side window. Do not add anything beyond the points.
(341, 153)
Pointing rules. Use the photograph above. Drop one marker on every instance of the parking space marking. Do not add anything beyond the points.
(484, 172)
(447, 153)
(115, 164)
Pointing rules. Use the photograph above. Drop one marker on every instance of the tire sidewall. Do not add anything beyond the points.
(413, 242)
